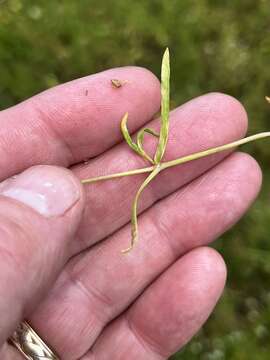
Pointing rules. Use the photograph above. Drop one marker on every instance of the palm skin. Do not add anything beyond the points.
(89, 300)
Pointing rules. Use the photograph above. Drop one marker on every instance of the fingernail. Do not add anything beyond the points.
(49, 190)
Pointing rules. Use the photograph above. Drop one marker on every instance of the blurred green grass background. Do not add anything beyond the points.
(216, 45)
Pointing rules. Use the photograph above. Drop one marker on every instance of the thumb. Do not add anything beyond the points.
(40, 210)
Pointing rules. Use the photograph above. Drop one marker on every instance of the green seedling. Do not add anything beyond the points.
(157, 165)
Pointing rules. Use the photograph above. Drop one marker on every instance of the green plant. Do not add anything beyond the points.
(156, 162)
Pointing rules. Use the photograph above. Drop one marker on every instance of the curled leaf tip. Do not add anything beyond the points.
(124, 118)
(137, 147)
(124, 123)
(134, 237)
(127, 250)
(126, 134)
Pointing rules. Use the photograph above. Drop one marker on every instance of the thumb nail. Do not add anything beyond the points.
(49, 190)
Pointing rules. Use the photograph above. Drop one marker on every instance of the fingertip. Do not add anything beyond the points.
(211, 267)
(76, 190)
(225, 109)
(237, 112)
(248, 165)
(69, 176)
(49, 190)
(245, 180)
(228, 105)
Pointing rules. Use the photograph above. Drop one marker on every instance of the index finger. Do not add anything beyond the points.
(77, 120)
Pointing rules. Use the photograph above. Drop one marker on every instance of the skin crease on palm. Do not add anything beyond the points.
(66, 274)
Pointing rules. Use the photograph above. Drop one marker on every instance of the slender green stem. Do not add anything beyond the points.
(117, 175)
(214, 150)
(181, 160)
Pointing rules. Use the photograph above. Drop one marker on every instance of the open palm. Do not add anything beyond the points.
(83, 297)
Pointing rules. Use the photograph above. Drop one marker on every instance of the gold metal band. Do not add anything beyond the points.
(30, 345)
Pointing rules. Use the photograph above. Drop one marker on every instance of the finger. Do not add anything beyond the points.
(169, 313)
(202, 123)
(39, 213)
(102, 282)
(9, 352)
(76, 120)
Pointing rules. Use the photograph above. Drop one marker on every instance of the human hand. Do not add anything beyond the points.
(60, 253)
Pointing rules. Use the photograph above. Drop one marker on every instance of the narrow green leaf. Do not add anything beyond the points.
(140, 138)
(134, 220)
(165, 106)
(126, 135)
